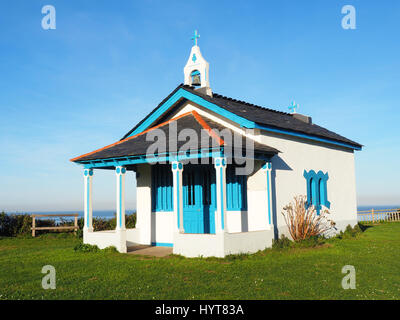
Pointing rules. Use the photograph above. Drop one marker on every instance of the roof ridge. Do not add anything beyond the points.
(209, 130)
(181, 85)
(131, 137)
(249, 104)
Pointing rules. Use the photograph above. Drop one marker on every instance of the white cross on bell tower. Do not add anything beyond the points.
(197, 69)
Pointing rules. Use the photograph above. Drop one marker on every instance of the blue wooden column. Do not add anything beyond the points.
(220, 183)
(120, 174)
(88, 209)
(177, 169)
(267, 168)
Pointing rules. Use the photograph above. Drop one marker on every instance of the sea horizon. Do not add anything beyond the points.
(111, 213)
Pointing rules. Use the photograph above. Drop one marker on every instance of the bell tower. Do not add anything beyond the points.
(197, 69)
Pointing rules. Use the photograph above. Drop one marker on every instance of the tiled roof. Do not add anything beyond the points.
(138, 145)
(262, 116)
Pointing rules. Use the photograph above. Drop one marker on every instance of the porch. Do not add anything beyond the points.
(198, 211)
(192, 200)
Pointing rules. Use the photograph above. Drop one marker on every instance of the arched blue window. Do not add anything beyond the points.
(317, 194)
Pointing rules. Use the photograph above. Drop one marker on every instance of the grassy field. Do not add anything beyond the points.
(310, 273)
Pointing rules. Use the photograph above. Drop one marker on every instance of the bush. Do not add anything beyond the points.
(311, 242)
(12, 225)
(82, 247)
(281, 243)
(130, 221)
(101, 224)
(111, 249)
(285, 243)
(351, 232)
(303, 222)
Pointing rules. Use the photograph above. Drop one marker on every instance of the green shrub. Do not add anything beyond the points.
(110, 249)
(12, 225)
(281, 243)
(284, 242)
(311, 242)
(351, 232)
(130, 221)
(82, 247)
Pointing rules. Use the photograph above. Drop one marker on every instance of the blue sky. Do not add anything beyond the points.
(68, 91)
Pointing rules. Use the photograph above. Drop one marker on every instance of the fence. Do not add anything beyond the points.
(379, 215)
(34, 228)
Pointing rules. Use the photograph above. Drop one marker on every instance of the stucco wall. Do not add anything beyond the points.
(162, 227)
(221, 244)
(154, 226)
(296, 155)
(143, 206)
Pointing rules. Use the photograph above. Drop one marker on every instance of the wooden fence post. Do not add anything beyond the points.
(76, 224)
(33, 226)
(373, 218)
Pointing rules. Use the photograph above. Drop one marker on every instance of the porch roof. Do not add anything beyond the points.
(136, 147)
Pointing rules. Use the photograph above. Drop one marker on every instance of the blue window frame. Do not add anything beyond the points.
(236, 190)
(317, 193)
(161, 188)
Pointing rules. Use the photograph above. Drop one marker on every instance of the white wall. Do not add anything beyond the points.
(162, 227)
(154, 226)
(143, 199)
(296, 155)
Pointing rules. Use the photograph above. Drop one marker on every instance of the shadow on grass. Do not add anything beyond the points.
(364, 227)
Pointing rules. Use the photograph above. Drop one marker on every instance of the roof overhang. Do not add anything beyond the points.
(171, 156)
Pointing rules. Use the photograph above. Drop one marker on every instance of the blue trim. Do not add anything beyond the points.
(222, 198)
(162, 244)
(177, 200)
(127, 160)
(87, 202)
(120, 200)
(306, 136)
(182, 93)
(317, 194)
(269, 197)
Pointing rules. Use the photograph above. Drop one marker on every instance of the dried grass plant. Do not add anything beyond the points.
(303, 222)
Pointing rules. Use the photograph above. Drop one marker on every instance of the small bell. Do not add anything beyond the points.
(196, 81)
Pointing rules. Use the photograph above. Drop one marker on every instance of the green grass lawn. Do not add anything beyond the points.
(272, 274)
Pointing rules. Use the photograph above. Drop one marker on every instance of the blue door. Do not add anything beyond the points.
(199, 199)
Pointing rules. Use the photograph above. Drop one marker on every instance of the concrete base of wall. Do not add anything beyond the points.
(120, 239)
(222, 244)
(340, 226)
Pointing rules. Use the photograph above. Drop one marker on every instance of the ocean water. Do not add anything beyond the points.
(111, 213)
(96, 213)
(364, 208)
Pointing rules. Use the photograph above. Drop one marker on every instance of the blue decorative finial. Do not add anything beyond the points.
(195, 37)
(293, 107)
